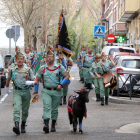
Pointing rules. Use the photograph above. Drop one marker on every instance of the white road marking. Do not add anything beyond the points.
(3, 98)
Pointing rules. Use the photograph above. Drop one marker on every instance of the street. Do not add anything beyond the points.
(101, 123)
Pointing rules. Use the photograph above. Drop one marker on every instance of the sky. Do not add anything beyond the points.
(4, 41)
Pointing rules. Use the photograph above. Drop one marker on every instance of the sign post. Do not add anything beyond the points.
(99, 31)
(17, 33)
(10, 34)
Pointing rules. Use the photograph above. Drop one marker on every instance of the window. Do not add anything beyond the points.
(78, 2)
(120, 50)
(131, 63)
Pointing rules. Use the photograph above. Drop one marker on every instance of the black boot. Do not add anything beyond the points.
(85, 85)
(102, 101)
(46, 127)
(98, 98)
(82, 80)
(61, 100)
(16, 128)
(23, 127)
(106, 100)
(53, 126)
(64, 100)
(89, 86)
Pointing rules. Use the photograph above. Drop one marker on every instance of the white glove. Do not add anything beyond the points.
(7, 90)
(29, 83)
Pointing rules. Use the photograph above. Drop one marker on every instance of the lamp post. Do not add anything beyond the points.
(105, 20)
(47, 38)
(39, 26)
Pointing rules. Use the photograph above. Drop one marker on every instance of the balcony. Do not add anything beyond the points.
(127, 8)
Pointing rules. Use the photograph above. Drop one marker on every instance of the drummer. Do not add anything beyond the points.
(102, 68)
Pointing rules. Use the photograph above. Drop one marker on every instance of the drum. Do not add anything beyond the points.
(110, 80)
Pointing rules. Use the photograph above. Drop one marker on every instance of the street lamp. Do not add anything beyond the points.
(39, 26)
(47, 38)
(105, 20)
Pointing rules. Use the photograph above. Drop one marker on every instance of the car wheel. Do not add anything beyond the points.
(114, 92)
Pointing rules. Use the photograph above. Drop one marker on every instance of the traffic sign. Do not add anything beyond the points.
(10, 33)
(17, 32)
(110, 38)
(99, 31)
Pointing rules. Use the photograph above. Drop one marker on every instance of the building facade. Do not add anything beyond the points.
(129, 12)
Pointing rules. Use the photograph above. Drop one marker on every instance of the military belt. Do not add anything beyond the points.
(18, 88)
(86, 67)
(50, 88)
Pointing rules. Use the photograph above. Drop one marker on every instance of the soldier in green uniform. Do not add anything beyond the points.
(21, 93)
(13, 59)
(103, 67)
(79, 65)
(95, 79)
(52, 74)
(87, 61)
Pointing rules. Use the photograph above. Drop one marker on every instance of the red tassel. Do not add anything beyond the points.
(43, 70)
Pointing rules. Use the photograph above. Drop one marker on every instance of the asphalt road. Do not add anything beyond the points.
(102, 122)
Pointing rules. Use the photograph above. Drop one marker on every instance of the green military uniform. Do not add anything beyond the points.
(95, 80)
(80, 71)
(104, 91)
(87, 65)
(21, 92)
(51, 98)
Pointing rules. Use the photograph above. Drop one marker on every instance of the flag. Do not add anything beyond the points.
(63, 41)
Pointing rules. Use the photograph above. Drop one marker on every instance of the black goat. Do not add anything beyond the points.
(77, 109)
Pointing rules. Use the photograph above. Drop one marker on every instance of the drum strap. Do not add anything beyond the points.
(102, 67)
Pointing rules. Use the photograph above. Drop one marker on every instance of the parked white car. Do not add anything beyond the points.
(109, 50)
(128, 65)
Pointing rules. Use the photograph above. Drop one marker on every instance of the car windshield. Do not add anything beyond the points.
(120, 50)
(131, 63)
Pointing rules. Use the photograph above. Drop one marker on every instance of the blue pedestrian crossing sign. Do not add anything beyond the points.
(99, 31)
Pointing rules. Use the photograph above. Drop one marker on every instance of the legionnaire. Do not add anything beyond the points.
(13, 59)
(79, 65)
(21, 93)
(95, 79)
(51, 73)
(87, 61)
(103, 67)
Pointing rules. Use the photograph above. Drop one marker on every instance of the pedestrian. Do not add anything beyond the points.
(87, 61)
(51, 73)
(95, 79)
(21, 93)
(102, 68)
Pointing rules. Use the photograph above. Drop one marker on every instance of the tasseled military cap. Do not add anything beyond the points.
(49, 50)
(97, 56)
(103, 54)
(17, 48)
(19, 55)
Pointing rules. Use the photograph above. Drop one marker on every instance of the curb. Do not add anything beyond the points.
(122, 101)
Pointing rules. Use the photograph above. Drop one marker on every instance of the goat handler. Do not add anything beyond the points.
(54, 78)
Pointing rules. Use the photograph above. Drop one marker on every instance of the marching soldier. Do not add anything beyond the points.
(21, 93)
(13, 59)
(51, 73)
(87, 61)
(79, 65)
(102, 68)
(95, 80)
